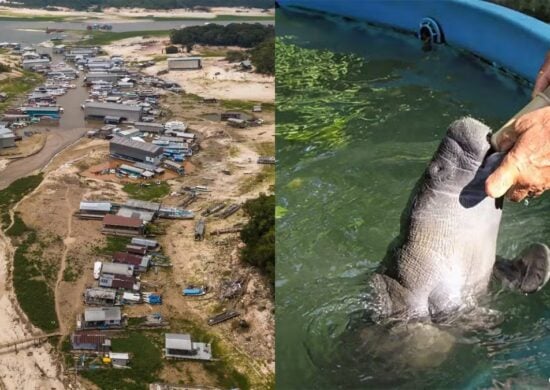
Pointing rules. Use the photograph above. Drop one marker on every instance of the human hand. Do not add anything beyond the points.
(525, 171)
(543, 77)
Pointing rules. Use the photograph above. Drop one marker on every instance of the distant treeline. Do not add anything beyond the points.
(539, 9)
(157, 4)
(234, 34)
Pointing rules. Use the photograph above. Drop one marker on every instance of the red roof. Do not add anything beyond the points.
(95, 338)
(126, 258)
(116, 220)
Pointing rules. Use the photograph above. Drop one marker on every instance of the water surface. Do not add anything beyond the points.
(360, 111)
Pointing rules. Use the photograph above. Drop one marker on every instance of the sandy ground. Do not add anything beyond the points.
(112, 14)
(218, 78)
(25, 147)
(29, 366)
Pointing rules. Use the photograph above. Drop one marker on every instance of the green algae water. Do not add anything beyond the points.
(360, 112)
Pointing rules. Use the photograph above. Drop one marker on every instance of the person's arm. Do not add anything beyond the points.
(525, 171)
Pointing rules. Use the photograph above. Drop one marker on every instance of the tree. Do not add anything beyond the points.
(263, 57)
(259, 235)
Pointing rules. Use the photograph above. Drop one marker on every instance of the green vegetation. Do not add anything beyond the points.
(236, 56)
(171, 49)
(17, 86)
(13, 193)
(4, 68)
(146, 361)
(263, 57)
(233, 34)
(10, 17)
(34, 295)
(18, 228)
(235, 104)
(106, 37)
(113, 244)
(157, 4)
(266, 175)
(259, 234)
(147, 191)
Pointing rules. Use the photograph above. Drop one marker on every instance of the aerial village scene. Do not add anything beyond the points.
(136, 195)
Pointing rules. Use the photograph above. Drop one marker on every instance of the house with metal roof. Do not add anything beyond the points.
(101, 317)
(150, 127)
(100, 296)
(180, 346)
(117, 269)
(127, 283)
(100, 110)
(119, 359)
(146, 216)
(140, 263)
(124, 226)
(94, 210)
(131, 150)
(152, 244)
(7, 138)
(90, 341)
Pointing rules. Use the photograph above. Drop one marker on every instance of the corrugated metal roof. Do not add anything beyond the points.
(102, 293)
(149, 124)
(184, 58)
(94, 338)
(95, 206)
(102, 314)
(117, 269)
(144, 242)
(142, 204)
(113, 106)
(119, 355)
(178, 341)
(145, 146)
(133, 213)
(127, 258)
(115, 220)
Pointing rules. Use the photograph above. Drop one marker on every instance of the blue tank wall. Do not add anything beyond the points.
(508, 38)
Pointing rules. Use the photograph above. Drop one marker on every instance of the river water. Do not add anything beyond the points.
(360, 112)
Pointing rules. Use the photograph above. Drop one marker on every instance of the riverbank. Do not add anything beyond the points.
(126, 14)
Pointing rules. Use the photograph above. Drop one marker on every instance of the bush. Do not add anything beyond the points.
(236, 56)
(259, 234)
(4, 68)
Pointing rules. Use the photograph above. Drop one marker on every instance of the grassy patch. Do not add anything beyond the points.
(113, 244)
(18, 228)
(13, 17)
(217, 18)
(107, 37)
(13, 193)
(35, 297)
(15, 87)
(265, 148)
(149, 191)
(237, 105)
(145, 349)
(159, 58)
(266, 175)
(213, 52)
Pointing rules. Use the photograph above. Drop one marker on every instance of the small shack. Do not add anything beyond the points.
(235, 122)
(180, 346)
(119, 359)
